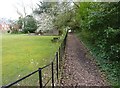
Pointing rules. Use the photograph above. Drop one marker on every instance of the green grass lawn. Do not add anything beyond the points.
(22, 54)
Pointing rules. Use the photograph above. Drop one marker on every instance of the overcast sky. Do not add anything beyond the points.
(8, 7)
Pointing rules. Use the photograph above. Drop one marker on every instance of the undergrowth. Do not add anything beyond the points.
(110, 68)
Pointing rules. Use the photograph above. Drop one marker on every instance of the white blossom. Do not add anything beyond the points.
(44, 22)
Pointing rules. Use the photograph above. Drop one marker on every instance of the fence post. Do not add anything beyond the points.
(52, 76)
(59, 57)
(57, 64)
(40, 77)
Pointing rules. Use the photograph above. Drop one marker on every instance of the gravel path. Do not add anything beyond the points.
(79, 69)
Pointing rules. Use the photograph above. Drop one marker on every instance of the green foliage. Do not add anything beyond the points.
(20, 22)
(60, 32)
(30, 24)
(100, 20)
(55, 39)
(62, 13)
(46, 7)
(98, 23)
(100, 30)
(106, 15)
(65, 16)
(63, 20)
(109, 44)
(14, 32)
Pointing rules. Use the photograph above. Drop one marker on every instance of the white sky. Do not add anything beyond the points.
(8, 7)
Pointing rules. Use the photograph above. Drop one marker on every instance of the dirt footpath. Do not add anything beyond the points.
(79, 69)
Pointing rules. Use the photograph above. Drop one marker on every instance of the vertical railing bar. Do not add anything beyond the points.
(57, 64)
(52, 76)
(59, 56)
(40, 77)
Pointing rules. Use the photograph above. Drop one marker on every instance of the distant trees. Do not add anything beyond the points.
(44, 22)
(14, 28)
(64, 15)
(20, 22)
(44, 16)
(24, 25)
(30, 24)
(45, 7)
(58, 15)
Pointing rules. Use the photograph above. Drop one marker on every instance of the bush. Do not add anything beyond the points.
(55, 39)
(8, 31)
(30, 24)
(60, 32)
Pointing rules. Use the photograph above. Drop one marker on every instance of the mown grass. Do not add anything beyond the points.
(22, 54)
(111, 69)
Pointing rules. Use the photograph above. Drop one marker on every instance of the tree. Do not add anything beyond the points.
(99, 25)
(44, 22)
(20, 22)
(50, 8)
(30, 24)
(64, 15)
(45, 14)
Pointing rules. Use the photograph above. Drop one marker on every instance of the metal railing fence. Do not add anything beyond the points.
(54, 69)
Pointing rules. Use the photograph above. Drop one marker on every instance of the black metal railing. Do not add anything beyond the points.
(57, 60)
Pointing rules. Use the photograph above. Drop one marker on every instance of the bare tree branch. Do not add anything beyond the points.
(76, 5)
